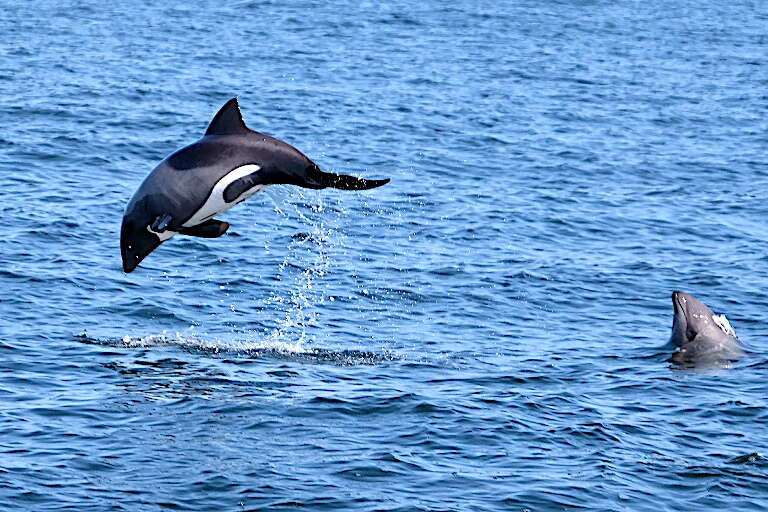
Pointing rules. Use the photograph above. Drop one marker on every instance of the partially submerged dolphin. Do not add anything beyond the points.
(699, 335)
(229, 164)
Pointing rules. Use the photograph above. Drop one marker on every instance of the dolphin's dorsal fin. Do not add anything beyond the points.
(228, 120)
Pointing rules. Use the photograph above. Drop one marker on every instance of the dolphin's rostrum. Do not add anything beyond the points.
(229, 164)
(700, 335)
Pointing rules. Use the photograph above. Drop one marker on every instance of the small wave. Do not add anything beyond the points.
(369, 472)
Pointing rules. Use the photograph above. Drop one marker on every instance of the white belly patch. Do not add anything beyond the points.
(215, 204)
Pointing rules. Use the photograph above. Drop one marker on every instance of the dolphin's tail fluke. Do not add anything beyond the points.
(346, 182)
(322, 179)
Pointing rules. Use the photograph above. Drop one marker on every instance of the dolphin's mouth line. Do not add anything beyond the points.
(681, 306)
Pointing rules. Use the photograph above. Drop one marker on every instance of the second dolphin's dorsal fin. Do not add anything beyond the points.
(228, 121)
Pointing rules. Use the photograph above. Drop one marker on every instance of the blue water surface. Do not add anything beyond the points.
(487, 332)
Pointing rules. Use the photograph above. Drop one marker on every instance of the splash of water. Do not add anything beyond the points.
(308, 259)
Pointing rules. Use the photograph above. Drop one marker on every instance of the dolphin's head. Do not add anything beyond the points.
(694, 319)
(136, 238)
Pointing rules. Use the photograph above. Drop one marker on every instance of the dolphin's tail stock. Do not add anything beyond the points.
(319, 179)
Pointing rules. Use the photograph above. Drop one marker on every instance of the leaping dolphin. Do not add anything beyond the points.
(228, 165)
(700, 335)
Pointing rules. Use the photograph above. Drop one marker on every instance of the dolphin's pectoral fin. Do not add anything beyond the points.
(209, 229)
(320, 179)
(161, 223)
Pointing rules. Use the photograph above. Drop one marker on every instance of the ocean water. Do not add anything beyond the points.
(486, 332)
